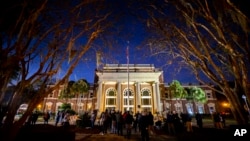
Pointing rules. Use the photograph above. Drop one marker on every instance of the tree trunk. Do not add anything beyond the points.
(10, 128)
(237, 107)
(11, 131)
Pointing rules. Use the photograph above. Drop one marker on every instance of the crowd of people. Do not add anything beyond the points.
(183, 122)
(123, 123)
(145, 122)
(62, 118)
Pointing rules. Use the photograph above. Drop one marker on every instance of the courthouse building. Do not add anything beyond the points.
(133, 87)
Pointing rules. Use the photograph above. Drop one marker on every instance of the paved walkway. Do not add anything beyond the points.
(114, 137)
(204, 135)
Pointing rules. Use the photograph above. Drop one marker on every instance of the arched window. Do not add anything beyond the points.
(111, 98)
(146, 99)
(128, 99)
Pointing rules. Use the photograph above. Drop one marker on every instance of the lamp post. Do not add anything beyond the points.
(245, 99)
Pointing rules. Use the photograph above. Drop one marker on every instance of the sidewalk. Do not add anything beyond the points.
(51, 133)
(115, 137)
(208, 133)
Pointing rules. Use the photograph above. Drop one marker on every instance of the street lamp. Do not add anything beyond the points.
(245, 99)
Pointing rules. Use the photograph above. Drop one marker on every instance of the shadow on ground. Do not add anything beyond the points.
(42, 132)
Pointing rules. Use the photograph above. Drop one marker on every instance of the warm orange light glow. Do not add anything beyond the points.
(225, 104)
(39, 106)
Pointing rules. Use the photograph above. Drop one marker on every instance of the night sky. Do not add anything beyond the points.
(132, 32)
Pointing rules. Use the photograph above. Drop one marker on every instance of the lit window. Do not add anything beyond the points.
(190, 108)
(111, 98)
(145, 101)
(200, 109)
(128, 99)
(146, 98)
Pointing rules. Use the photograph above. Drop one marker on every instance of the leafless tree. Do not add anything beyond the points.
(210, 38)
(38, 38)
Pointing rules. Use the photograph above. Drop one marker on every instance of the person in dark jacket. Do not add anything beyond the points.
(170, 123)
(151, 122)
(119, 125)
(198, 118)
(144, 126)
(128, 122)
(136, 122)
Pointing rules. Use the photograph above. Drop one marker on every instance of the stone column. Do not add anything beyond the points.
(138, 96)
(154, 94)
(158, 96)
(99, 97)
(118, 97)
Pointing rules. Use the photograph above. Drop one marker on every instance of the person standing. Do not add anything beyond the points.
(184, 119)
(113, 122)
(177, 122)
(216, 119)
(92, 119)
(151, 123)
(189, 123)
(34, 118)
(136, 122)
(128, 122)
(170, 123)
(222, 120)
(58, 117)
(144, 126)
(46, 118)
(119, 125)
(103, 126)
(199, 121)
(66, 120)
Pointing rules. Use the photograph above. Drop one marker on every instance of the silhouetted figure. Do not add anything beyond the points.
(144, 126)
(189, 123)
(128, 122)
(177, 122)
(34, 118)
(151, 122)
(223, 120)
(170, 123)
(136, 122)
(119, 125)
(58, 117)
(46, 117)
(66, 120)
(92, 119)
(198, 118)
(184, 119)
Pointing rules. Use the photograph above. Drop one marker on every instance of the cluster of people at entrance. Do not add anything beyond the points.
(143, 123)
(124, 123)
(146, 123)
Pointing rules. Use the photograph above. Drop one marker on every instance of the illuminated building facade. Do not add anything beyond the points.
(133, 87)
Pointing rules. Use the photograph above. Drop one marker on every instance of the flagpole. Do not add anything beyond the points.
(128, 75)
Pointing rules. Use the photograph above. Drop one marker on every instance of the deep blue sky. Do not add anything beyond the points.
(130, 29)
(131, 32)
(86, 68)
